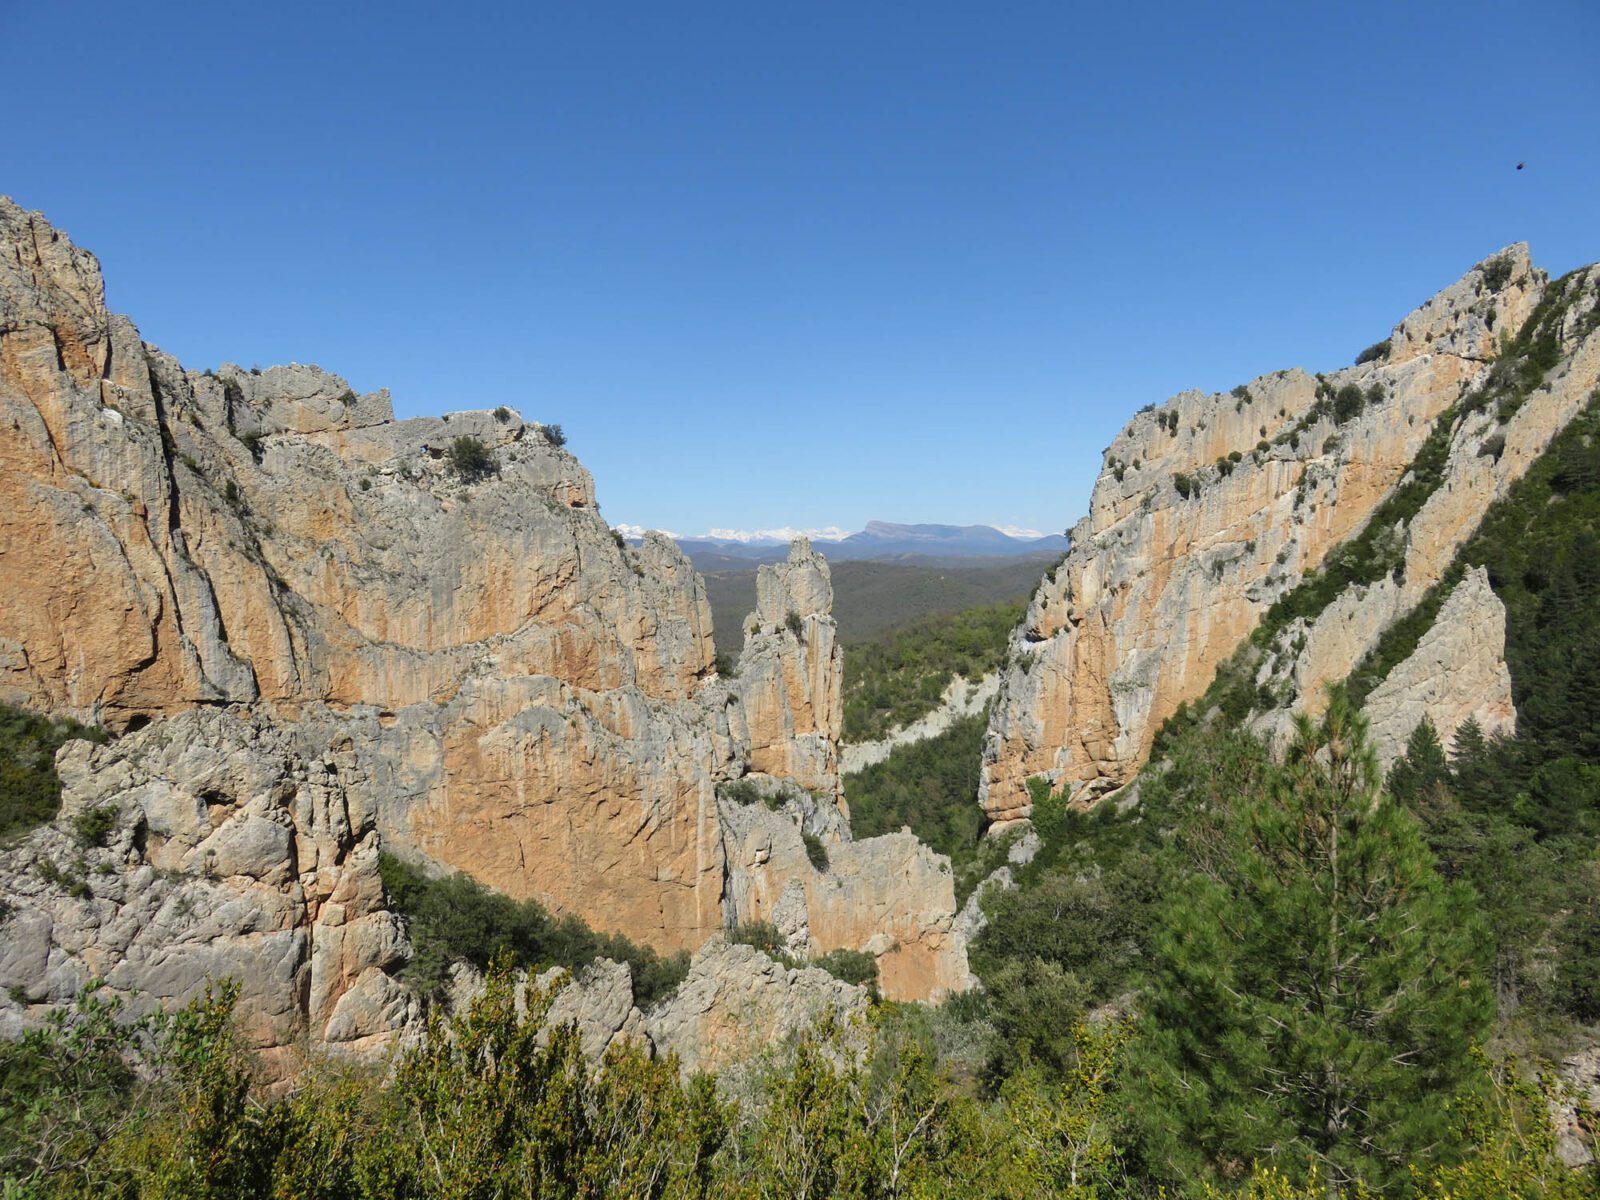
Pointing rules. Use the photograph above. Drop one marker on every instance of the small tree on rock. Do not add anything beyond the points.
(471, 459)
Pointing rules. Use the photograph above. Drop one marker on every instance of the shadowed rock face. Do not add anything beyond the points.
(514, 692)
(1213, 506)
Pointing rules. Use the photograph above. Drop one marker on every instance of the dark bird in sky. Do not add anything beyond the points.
(1521, 165)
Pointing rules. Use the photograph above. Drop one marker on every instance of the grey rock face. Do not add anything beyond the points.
(1211, 507)
(1581, 1073)
(737, 1003)
(230, 857)
(1458, 671)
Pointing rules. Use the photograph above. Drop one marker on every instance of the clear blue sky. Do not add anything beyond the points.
(802, 264)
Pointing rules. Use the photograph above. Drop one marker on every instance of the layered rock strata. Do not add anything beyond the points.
(1211, 507)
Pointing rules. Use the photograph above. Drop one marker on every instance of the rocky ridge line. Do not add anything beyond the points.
(1212, 507)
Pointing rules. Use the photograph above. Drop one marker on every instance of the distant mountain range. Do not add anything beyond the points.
(880, 540)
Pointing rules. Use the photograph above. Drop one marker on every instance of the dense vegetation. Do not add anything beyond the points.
(471, 459)
(486, 1107)
(455, 919)
(930, 786)
(898, 677)
(1298, 947)
(30, 792)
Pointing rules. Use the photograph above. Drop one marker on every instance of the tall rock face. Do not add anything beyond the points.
(791, 673)
(436, 603)
(1211, 507)
(1487, 447)
(526, 687)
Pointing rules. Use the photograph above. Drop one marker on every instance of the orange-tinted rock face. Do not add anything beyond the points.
(791, 673)
(528, 699)
(1207, 510)
(169, 539)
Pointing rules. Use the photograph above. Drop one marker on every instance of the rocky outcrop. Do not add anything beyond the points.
(961, 698)
(733, 1007)
(1488, 452)
(737, 1004)
(226, 853)
(791, 673)
(1575, 1114)
(1457, 672)
(435, 604)
(1212, 507)
(890, 895)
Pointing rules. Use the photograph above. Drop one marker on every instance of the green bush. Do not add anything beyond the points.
(816, 852)
(1374, 352)
(255, 442)
(1348, 402)
(471, 459)
(852, 966)
(1497, 272)
(454, 918)
(30, 791)
(92, 825)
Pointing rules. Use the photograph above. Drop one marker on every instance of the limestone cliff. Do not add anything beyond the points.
(1457, 673)
(227, 852)
(512, 691)
(791, 673)
(1212, 507)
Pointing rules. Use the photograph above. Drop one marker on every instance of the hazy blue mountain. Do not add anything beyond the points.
(923, 544)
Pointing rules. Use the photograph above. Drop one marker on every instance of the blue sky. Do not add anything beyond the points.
(802, 264)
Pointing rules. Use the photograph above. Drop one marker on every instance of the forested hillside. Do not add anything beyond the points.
(872, 598)
(899, 675)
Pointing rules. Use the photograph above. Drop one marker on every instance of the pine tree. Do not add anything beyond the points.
(1317, 987)
(1416, 778)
